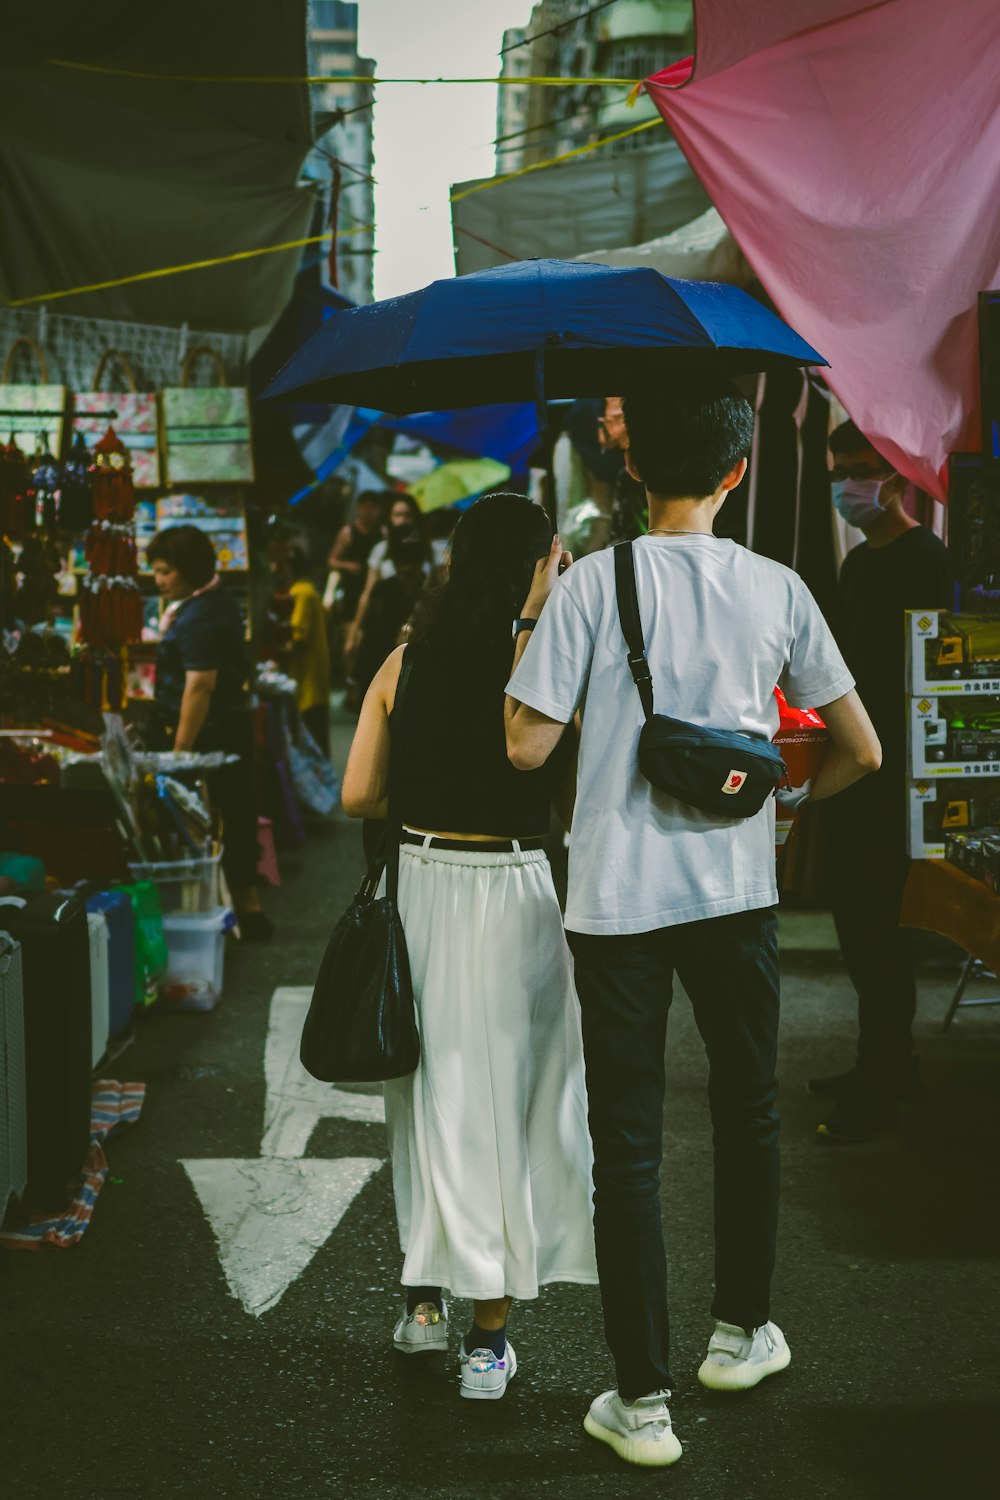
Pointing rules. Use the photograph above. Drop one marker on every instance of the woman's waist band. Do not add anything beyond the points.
(473, 846)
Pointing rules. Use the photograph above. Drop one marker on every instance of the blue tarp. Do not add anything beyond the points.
(506, 433)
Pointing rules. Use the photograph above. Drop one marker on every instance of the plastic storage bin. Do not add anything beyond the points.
(195, 942)
(185, 885)
(116, 908)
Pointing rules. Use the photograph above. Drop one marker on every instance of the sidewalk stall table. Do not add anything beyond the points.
(943, 899)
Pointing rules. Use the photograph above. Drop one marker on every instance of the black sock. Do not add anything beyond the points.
(486, 1338)
(417, 1294)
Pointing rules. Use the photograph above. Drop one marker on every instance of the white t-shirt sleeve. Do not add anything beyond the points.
(552, 674)
(815, 673)
(378, 554)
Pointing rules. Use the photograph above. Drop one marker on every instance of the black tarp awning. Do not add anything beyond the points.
(103, 176)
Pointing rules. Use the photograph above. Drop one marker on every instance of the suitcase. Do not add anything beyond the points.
(97, 928)
(116, 908)
(13, 1106)
(55, 961)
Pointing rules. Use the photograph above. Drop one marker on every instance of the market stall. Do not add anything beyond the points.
(87, 478)
(953, 666)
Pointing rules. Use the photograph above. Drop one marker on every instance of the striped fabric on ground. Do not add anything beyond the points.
(112, 1106)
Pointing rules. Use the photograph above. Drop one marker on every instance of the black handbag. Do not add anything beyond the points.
(361, 1026)
(720, 771)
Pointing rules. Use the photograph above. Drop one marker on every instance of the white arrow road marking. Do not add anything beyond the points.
(270, 1217)
(295, 1103)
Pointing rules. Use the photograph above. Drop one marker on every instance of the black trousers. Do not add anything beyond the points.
(233, 790)
(868, 867)
(729, 968)
(317, 721)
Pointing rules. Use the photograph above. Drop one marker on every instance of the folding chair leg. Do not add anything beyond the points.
(956, 998)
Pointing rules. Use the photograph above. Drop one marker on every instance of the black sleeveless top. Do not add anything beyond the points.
(456, 777)
(357, 550)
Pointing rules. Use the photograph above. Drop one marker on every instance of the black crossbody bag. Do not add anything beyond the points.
(720, 771)
(361, 1026)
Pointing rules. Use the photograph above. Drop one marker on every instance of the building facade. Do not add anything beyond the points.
(512, 100)
(343, 157)
(569, 39)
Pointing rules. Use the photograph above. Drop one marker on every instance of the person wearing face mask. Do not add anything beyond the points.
(900, 565)
(629, 509)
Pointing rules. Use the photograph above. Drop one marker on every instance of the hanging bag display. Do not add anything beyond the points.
(31, 412)
(135, 419)
(206, 431)
(723, 772)
(361, 1026)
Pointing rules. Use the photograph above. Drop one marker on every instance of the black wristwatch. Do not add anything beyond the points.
(525, 623)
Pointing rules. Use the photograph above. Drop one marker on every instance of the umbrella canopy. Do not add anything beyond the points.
(451, 482)
(542, 328)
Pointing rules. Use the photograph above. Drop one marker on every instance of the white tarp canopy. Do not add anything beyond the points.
(102, 176)
(563, 212)
(703, 250)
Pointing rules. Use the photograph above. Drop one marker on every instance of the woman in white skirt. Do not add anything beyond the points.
(491, 1156)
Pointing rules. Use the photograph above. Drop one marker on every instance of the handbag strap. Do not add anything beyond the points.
(393, 825)
(631, 623)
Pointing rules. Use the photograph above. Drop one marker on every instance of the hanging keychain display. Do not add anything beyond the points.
(111, 613)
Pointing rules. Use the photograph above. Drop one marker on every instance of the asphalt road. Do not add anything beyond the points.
(129, 1367)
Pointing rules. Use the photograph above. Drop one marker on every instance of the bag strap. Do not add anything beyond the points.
(393, 826)
(196, 353)
(124, 364)
(631, 623)
(23, 342)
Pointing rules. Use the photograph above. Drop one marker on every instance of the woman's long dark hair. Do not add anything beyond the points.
(493, 555)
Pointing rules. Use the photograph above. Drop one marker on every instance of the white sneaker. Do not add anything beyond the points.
(484, 1377)
(737, 1360)
(640, 1431)
(423, 1331)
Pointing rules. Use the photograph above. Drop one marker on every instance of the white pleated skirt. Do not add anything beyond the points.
(491, 1156)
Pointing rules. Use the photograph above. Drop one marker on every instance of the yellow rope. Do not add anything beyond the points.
(82, 67)
(553, 161)
(194, 265)
(315, 239)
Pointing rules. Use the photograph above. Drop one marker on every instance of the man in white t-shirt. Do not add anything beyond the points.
(656, 886)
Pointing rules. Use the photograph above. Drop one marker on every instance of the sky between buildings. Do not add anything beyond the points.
(428, 137)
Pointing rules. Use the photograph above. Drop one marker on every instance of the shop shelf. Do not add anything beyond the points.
(937, 807)
(954, 736)
(952, 653)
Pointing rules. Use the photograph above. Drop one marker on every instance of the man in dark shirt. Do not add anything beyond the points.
(899, 566)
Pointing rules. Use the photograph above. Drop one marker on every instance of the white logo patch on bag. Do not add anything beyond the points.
(733, 782)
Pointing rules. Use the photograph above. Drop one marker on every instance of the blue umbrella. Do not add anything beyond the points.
(535, 328)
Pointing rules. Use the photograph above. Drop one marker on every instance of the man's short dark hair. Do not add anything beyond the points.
(298, 562)
(372, 497)
(687, 433)
(186, 549)
(848, 438)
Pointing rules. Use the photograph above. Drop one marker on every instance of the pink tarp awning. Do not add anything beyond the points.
(854, 151)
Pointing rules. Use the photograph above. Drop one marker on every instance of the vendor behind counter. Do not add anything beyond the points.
(202, 699)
